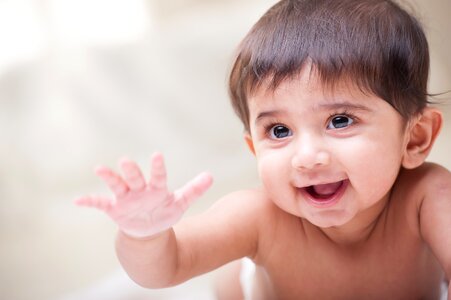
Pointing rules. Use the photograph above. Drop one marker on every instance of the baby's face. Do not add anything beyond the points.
(326, 157)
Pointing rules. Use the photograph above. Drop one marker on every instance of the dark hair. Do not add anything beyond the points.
(374, 44)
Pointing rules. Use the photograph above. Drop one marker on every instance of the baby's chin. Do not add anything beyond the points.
(329, 219)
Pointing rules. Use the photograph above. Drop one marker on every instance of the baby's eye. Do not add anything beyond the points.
(279, 132)
(340, 121)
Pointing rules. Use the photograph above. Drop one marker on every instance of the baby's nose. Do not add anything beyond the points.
(310, 153)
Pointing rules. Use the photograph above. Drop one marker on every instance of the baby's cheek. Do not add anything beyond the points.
(269, 166)
(378, 174)
(264, 169)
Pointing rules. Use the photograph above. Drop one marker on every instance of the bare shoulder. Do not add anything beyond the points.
(435, 211)
(243, 209)
(249, 212)
(434, 184)
(251, 206)
(437, 179)
(416, 187)
(252, 199)
(427, 180)
(228, 230)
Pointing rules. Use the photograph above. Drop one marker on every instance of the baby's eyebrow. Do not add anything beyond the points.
(267, 114)
(342, 106)
(319, 107)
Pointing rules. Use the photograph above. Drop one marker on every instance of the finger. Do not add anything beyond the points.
(132, 175)
(158, 172)
(192, 190)
(114, 181)
(102, 203)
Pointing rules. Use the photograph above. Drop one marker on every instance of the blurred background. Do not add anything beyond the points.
(86, 82)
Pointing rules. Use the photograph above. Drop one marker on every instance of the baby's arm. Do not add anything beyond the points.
(145, 213)
(435, 218)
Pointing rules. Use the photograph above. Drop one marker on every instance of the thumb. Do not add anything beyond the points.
(192, 190)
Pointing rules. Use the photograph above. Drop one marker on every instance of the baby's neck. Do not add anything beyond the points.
(360, 229)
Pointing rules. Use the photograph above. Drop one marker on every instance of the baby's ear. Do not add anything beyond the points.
(249, 142)
(423, 130)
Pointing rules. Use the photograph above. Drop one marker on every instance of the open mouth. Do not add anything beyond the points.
(324, 191)
(325, 194)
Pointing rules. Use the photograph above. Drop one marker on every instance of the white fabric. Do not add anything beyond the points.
(247, 275)
(444, 294)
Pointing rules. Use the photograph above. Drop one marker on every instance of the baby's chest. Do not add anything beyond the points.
(390, 271)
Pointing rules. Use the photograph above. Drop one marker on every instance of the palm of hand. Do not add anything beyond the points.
(143, 209)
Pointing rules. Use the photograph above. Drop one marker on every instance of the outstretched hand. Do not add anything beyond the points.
(142, 209)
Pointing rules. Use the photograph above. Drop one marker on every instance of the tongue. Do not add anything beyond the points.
(327, 189)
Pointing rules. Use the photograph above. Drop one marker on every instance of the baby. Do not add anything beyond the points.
(333, 98)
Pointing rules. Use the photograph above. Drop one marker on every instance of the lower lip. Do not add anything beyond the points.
(327, 202)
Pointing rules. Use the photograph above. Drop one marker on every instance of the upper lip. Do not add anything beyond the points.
(319, 182)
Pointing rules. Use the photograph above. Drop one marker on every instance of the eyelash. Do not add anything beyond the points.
(272, 123)
(344, 113)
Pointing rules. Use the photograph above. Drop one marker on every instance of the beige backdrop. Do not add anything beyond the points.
(85, 82)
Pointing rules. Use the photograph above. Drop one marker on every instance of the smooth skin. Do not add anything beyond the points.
(140, 208)
(380, 230)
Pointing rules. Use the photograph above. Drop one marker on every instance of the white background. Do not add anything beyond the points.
(85, 82)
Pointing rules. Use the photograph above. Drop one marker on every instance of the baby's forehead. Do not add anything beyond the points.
(308, 82)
